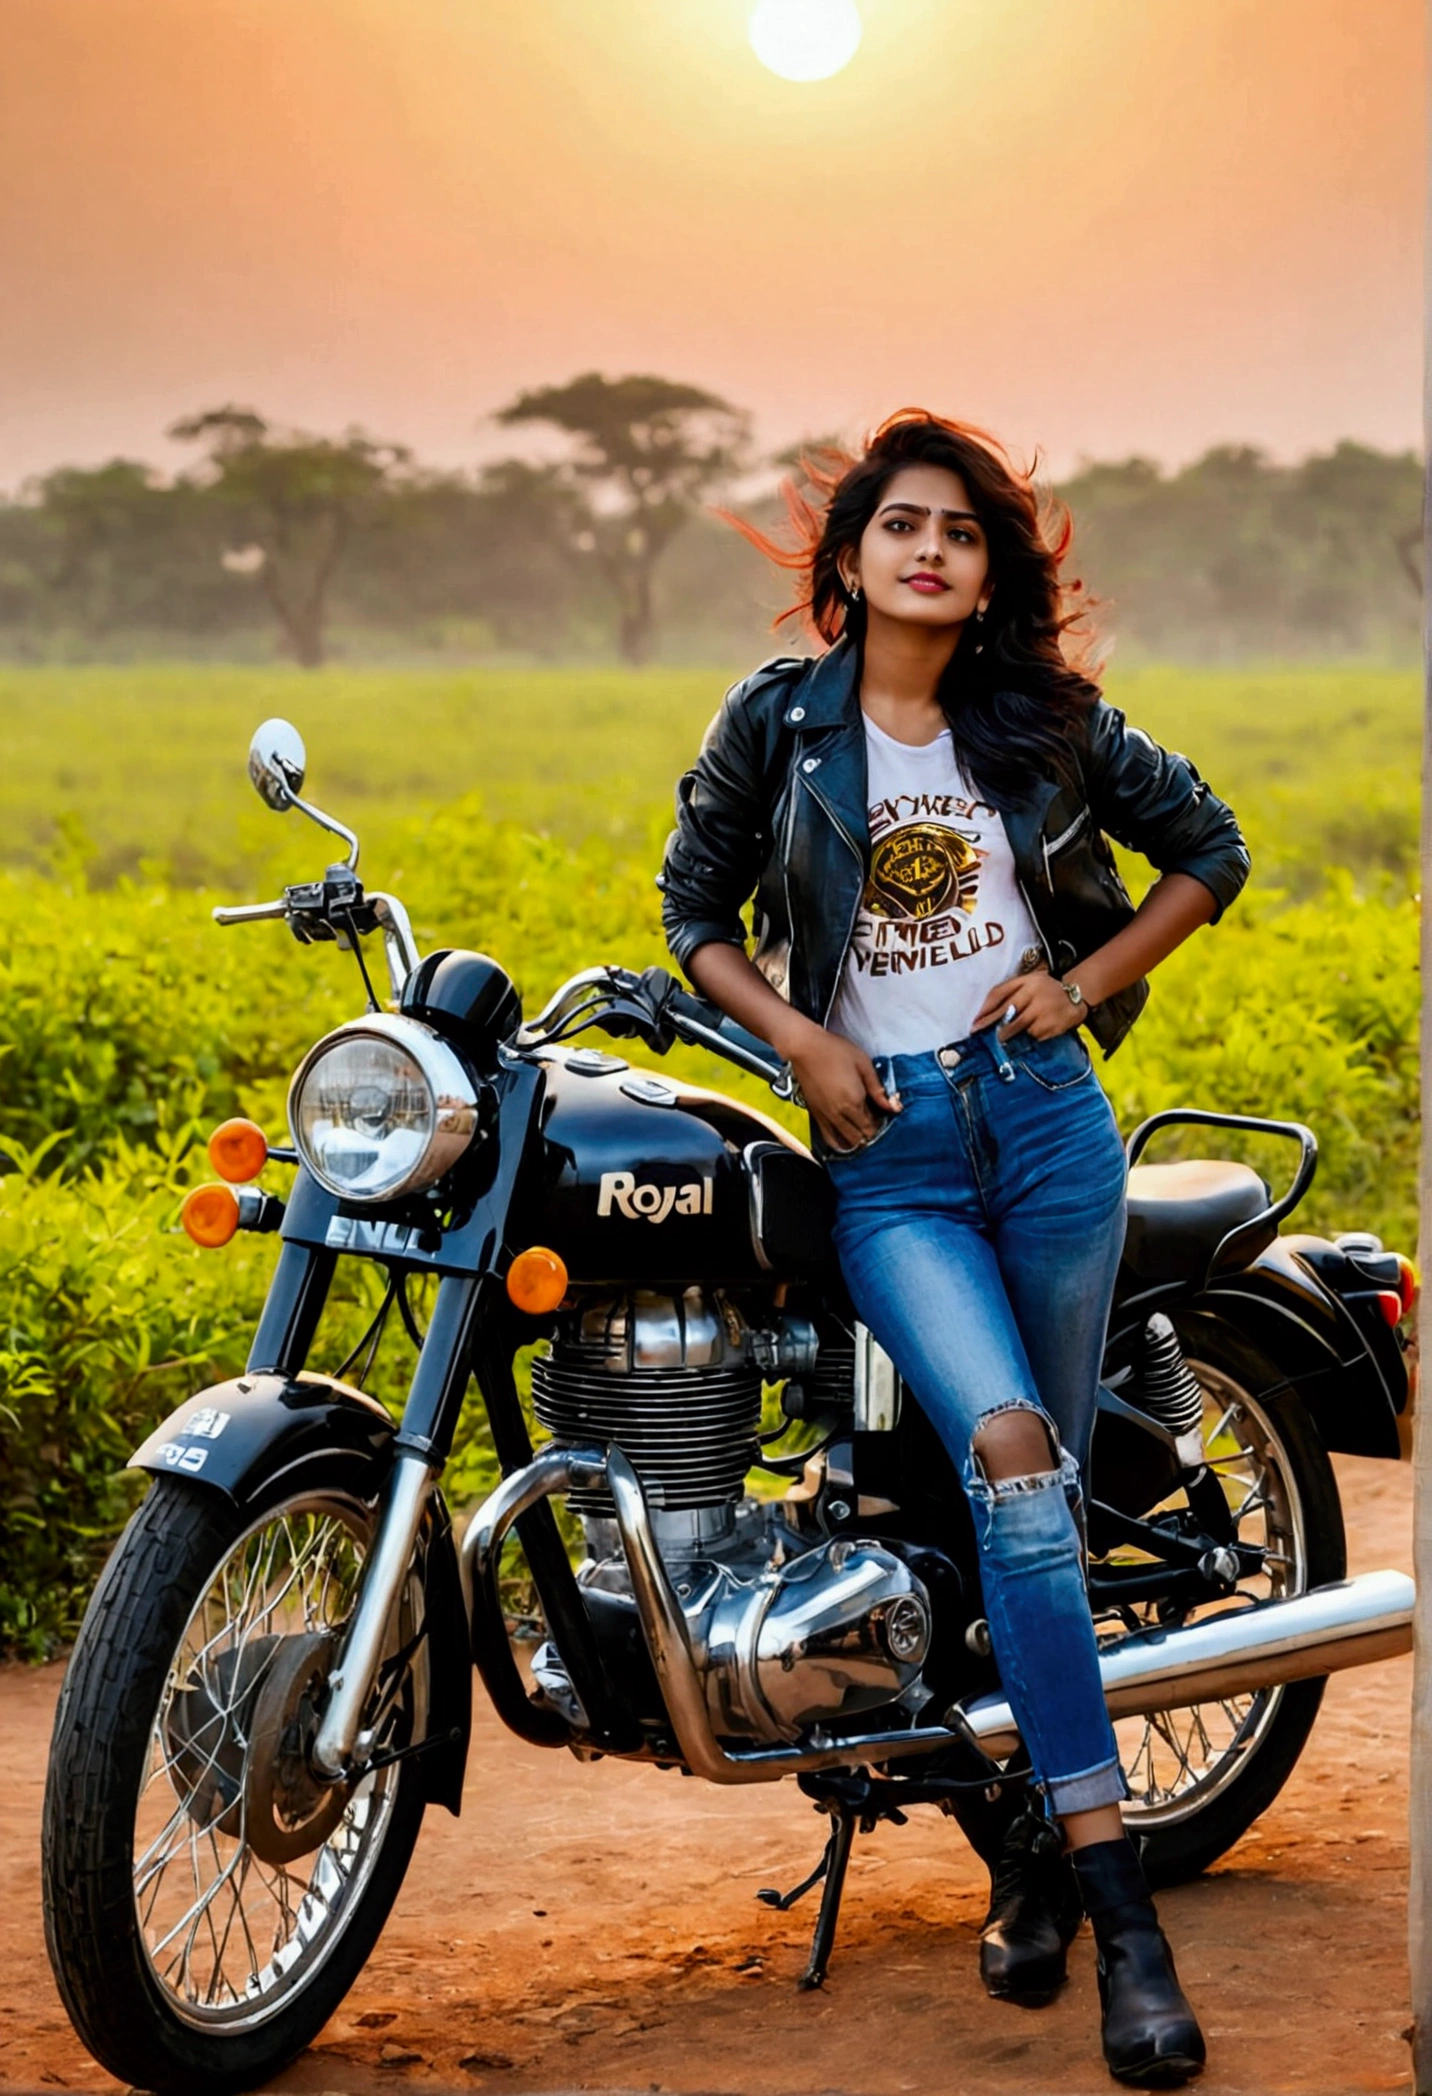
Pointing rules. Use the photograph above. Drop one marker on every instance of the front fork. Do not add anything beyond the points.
(470, 1332)
(339, 1745)
(420, 1449)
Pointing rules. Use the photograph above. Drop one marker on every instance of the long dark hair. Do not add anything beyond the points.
(1018, 685)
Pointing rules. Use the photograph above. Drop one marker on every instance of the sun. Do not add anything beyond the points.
(805, 39)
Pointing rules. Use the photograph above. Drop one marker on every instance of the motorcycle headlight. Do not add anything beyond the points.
(381, 1108)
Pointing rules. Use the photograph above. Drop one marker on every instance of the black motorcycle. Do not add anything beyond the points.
(273, 1677)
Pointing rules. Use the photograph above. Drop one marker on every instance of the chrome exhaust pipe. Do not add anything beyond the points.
(1237, 1653)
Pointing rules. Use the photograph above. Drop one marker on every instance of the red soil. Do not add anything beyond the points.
(597, 1928)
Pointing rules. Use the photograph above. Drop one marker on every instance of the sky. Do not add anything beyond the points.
(1100, 227)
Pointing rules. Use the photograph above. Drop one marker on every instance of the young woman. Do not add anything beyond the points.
(919, 813)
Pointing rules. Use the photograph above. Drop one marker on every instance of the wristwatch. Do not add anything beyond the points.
(1073, 992)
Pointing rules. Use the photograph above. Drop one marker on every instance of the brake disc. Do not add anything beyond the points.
(289, 1809)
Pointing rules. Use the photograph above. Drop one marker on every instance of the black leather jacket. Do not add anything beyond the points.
(775, 807)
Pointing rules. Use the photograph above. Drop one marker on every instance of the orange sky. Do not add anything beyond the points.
(1098, 225)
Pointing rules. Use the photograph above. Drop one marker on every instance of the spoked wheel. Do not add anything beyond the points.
(1201, 1775)
(208, 1899)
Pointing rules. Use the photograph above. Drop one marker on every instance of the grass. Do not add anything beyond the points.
(143, 766)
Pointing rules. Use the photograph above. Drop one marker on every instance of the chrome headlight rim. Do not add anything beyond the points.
(453, 1089)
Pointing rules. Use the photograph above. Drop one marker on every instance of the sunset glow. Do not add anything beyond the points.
(1101, 229)
(805, 39)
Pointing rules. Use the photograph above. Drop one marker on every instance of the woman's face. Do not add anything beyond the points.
(923, 558)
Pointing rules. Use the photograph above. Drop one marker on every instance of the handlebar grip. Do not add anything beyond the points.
(697, 1020)
(249, 912)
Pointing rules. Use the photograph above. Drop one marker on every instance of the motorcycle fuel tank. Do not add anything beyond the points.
(647, 1179)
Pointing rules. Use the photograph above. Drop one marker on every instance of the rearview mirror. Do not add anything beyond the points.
(277, 762)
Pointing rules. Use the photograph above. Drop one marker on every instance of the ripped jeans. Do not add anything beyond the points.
(979, 1232)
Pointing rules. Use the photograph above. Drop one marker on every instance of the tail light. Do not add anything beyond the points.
(1390, 1277)
(1408, 1286)
(1399, 1302)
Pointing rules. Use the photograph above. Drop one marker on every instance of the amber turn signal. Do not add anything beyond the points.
(537, 1280)
(210, 1215)
(238, 1151)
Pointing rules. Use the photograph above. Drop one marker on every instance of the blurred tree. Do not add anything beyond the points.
(1233, 557)
(831, 453)
(495, 558)
(294, 500)
(116, 548)
(647, 450)
(1236, 556)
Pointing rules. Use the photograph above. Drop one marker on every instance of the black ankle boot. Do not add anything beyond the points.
(1151, 2035)
(1034, 1914)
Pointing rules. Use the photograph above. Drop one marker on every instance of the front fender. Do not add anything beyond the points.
(1353, 1387)
(242, 1436)
(257, 1434)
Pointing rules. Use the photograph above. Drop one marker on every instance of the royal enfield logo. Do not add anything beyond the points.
(637, 1198)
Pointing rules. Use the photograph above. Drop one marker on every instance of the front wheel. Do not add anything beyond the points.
(1202, 1775)
(208, 1903)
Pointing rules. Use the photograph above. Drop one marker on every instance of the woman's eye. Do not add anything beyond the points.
(898, 524)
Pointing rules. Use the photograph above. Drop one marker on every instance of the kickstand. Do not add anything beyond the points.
(837, 1855)
(831, 1867)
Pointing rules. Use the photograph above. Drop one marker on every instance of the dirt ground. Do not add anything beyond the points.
(597, 1929)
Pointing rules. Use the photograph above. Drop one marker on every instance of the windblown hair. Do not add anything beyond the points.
(1018, 686)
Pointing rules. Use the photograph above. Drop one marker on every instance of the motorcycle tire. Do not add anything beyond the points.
(1184, 1838)
(143, 1682)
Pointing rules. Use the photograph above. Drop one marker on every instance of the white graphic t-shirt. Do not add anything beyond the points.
(942, 919)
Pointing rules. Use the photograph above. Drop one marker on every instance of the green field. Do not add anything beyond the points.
(148, 763)
(523, 812)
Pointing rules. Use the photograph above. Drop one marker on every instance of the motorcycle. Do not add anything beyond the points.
(778, 1576)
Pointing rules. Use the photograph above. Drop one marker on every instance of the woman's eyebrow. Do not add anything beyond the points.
(918, 509)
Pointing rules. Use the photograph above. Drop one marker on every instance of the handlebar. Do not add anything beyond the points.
(654, 1007)
(705, 1025)
(400, 948)
(328, 910)
(248, 912)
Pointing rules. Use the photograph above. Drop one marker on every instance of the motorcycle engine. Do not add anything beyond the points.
(787, 1630)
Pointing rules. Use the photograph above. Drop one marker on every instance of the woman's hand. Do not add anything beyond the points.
(1174, 908)
(1042, 1007)
(839, 1084)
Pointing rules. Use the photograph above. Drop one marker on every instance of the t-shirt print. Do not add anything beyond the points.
(941, 918)
(924, 876)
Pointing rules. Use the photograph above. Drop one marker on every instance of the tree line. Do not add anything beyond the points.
(278, 537)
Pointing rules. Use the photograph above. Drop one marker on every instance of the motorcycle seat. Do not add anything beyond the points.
(1178, 1214)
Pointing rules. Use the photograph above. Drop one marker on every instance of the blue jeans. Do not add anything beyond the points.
(979, 1232)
